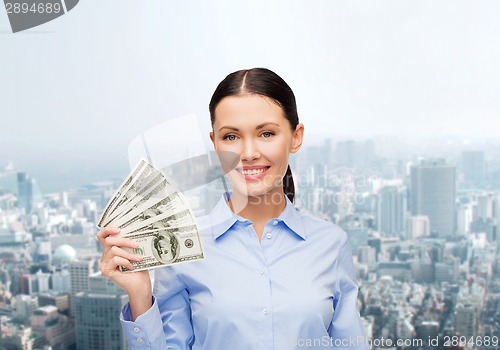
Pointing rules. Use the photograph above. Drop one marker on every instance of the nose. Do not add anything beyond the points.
(250, 151)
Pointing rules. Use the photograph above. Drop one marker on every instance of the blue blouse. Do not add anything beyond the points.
(294, 289)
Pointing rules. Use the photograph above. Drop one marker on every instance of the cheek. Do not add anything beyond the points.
(228, 147)
(229, 159)
(277, 152)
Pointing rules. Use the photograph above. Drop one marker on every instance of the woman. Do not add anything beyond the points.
(273, 278)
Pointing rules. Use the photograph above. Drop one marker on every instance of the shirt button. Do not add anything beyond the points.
(136, 329)
(275, 222)
(269, 235)
(261, 272)
(265, 311)
(139, 340)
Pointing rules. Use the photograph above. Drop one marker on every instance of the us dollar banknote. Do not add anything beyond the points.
(166, 246)
(118, 194)
(152, 193)
(149, 209)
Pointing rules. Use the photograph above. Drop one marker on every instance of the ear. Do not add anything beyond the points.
(212, 138)
(298, 137)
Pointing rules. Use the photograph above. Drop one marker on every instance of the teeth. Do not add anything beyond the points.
(253, 171)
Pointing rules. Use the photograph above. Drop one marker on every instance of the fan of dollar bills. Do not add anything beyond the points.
(149, 209)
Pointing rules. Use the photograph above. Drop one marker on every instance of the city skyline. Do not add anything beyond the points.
(417, 276)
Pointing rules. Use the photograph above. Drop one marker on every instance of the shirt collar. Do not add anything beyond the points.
(222, 218)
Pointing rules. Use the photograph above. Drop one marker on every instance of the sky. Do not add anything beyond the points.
(76, 91)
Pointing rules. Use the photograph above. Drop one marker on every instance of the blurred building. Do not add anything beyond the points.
(464, 219)
(484, 207)
(391, 211)
(432, 194)
(28, 194)
(61, 281)
(417, 226)
(466, 319)
(358, 237)
(97, 324)
(446, 270)
(427, 330)
(56, 329)
(473, 167)
(59, 300)
(42, 254)
(79, 272)
(367, 255)
(400, 271)
(24, 307)
(17, 338)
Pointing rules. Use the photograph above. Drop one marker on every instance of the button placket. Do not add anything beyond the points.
(266, 314)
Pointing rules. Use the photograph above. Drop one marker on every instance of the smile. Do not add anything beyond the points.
(254, 171)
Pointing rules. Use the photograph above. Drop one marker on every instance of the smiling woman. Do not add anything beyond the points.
(255, 127)
(272, 276)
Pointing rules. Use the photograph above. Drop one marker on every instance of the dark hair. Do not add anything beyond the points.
(264, 82)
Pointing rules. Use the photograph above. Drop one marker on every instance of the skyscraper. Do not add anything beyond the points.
(97, 324)
(79, 272)
(345, 154)
(484, 208)
(473, 167)
(465, 319)
(25, 194)
(432, 194)
(391, 210)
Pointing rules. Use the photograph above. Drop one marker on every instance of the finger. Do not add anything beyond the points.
(118, 241)
(116, 251)
(112, 266)
(106, 232)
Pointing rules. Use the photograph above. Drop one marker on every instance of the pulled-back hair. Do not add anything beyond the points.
(263, 82)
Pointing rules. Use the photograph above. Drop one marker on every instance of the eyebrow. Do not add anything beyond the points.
(260, 126)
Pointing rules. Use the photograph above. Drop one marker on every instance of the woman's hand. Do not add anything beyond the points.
(136, 284)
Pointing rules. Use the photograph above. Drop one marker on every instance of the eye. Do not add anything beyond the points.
(267, 134)
(229, 137)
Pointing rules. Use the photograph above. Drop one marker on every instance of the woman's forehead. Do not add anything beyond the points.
(247, 111)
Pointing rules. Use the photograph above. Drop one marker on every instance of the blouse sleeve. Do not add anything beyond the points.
(167, 324)
(346, 330)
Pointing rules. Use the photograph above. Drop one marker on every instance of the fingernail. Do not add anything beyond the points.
(115, 230)
(138, 257)
(135, 245)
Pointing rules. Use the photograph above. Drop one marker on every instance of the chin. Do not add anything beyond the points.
(258, 192)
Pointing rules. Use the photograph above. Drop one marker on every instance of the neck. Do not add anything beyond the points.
(258, 209)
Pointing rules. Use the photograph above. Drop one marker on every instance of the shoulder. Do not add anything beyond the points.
(321, 229)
